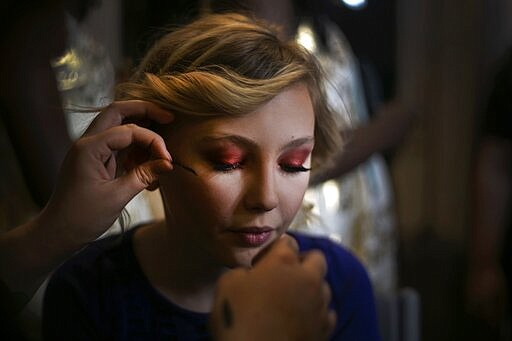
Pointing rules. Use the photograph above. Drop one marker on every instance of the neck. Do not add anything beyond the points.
(177, 270)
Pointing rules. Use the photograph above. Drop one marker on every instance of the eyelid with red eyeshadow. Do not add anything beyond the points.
(232, 159)
(225, 158)
(293, 161)
(227, 167)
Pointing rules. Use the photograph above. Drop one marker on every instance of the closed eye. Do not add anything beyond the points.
(226, 167)
(294, 169)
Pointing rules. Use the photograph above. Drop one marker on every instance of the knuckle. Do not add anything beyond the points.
(283, 252)
(326, 291)
(144, 175)
(318, 258)
(131, 126)
(79, 145)
(114, 112)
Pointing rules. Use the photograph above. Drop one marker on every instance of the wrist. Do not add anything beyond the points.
(50, 239)
(26, 258)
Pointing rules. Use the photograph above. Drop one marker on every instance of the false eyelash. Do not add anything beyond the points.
(294, 169)
(184, 167)
(226, 167)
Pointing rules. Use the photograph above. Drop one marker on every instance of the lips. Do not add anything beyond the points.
(252, 236)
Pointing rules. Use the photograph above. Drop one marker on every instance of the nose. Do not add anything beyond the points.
(261, 191)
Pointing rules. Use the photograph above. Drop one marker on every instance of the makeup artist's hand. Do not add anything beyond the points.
(89, 197)
(283, 297)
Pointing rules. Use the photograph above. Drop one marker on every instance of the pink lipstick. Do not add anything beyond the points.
(252, 237)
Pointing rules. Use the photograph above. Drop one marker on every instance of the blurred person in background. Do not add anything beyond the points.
(489, 281)
(34, 136)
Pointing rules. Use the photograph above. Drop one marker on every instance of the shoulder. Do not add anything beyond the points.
(75, 295)
(106, 254)
(352, 293)
(344, 270)
(99, 265)
(337, 256)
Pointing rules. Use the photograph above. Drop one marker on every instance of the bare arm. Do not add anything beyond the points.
(491, 214)
(492, 195)
(78, 212)
(32, 108)
(383, 132)
(37, 128)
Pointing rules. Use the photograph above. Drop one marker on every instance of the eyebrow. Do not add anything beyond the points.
(241, 140)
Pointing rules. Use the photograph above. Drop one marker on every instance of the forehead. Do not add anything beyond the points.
(286, 117)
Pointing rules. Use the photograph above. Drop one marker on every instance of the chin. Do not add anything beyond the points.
(242, 258)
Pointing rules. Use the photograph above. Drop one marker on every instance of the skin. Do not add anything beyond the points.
(204, 212)
(486, 289)
(385, 131)
(31, 104)
(77, 212)
(267, 295)
(88, 177)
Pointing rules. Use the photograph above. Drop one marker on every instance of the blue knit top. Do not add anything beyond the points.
(103, 294)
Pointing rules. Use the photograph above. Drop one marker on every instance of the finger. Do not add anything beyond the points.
(121, 137)
(117, 112)
(284, 249)
(326, 293)
(314, 261)
(330, 324)
(111, 165)
(292, 242)
(140, 178)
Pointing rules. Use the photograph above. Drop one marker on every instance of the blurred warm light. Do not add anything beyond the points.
(356, 4)
(67, 70)
(70, 57)
(306, 38)
(336, 238)
(332, 196)
(311, 197)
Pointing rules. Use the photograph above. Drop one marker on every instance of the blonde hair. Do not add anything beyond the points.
(229, 65)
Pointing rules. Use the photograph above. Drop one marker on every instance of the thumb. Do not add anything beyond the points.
(140, 178)
(284, 249)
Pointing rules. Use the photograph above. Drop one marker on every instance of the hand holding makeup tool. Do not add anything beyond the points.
(291, 301)
(88, 175)
(88, 197)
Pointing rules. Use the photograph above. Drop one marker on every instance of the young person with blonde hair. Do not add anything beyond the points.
(250, 122)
